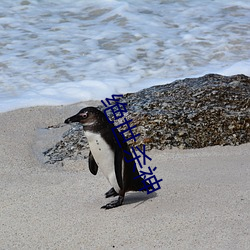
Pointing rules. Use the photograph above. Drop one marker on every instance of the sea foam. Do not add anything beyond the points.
(63, 52)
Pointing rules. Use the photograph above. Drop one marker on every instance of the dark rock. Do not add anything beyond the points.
(190, 113)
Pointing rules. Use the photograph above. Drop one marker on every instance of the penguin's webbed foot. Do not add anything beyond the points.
(113, 204)
(111, 193)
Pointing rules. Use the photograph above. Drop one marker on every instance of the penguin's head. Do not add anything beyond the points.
(88, 117)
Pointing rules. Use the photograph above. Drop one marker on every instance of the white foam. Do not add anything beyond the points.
(242, 67)
(61, 52)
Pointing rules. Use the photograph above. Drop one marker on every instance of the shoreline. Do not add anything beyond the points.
(203, 201)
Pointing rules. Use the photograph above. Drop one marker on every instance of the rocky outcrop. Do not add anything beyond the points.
(190, 113)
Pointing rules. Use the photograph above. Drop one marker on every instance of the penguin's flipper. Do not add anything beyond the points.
(111, 193)
(113, 204)
(118, 166)
(93, 167)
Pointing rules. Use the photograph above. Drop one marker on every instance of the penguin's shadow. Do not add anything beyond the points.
(138, 199)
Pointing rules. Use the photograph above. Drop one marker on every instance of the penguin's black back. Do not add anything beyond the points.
(130, 171)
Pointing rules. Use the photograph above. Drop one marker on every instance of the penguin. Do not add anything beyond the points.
(106, 154)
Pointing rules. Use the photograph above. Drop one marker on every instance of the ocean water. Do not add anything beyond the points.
(61, 52)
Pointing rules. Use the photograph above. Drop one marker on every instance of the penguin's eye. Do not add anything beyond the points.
(84, 115)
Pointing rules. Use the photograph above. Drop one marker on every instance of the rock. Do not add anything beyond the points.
(190, 113)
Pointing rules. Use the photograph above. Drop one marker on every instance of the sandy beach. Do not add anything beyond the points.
(203, 203)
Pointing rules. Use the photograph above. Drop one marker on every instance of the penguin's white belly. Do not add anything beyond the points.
(104, 157)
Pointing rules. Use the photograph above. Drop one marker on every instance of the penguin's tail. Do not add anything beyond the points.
(140, 184)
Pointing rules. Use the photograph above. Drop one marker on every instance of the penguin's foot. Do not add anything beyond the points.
(111, 193)
(113, 204)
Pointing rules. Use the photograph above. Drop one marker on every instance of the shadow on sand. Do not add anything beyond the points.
(138, 198)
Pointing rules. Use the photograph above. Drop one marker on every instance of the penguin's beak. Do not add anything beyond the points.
(74, 118)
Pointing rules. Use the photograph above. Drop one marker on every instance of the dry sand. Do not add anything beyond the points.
(203, 203)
